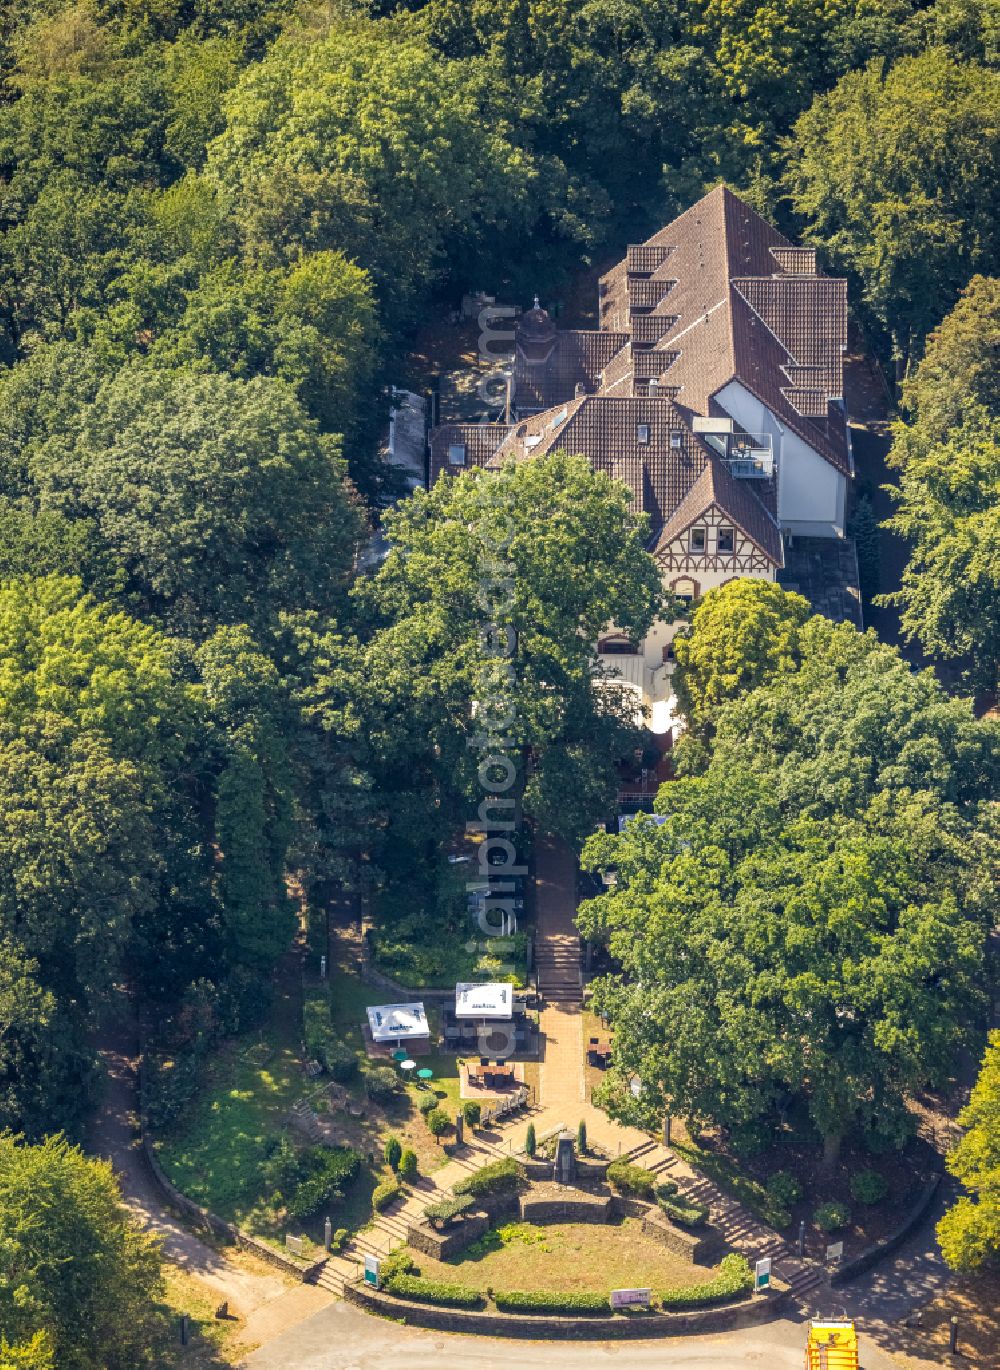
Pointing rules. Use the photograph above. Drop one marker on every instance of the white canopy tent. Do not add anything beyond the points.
(398, 1022)
(494, 1000)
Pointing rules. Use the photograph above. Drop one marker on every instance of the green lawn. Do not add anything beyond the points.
(565, 1257)
(213, 1155)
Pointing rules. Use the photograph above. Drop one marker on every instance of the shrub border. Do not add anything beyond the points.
(745, 1312)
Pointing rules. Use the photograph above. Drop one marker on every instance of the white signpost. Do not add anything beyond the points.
(294, 1244)
(762, 1275)
(630, 1298)
(372, 1265)
(834, 1252)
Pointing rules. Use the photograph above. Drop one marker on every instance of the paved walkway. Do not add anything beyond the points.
(562, 1087)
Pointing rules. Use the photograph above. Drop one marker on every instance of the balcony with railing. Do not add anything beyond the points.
(749, 456)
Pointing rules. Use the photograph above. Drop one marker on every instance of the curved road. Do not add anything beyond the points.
(342, 1337)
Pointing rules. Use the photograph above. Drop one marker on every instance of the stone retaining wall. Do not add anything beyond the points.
(699, 1247)
(752, 1309)
(553, 1203)
(873, 1254)
(449, 1242)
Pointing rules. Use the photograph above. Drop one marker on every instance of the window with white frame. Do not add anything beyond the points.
(697, 539)
(642, 432)
(456, 454)
(676, 440)
(725, 539)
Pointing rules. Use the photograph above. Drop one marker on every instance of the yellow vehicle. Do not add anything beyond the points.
(832, 1346)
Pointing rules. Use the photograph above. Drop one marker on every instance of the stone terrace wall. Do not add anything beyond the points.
(440, 1245)
(753, 1309)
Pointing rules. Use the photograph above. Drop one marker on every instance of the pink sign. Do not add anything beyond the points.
(630, 1298)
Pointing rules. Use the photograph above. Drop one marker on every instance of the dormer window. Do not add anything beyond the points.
(697, 538)
(725, 540)
(456, 454)
(676, 440)
(642, 432)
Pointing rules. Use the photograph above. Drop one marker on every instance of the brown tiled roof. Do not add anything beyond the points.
(716, 486)
(606, 430)
(733, 316)
(480, 441)
(576, 358)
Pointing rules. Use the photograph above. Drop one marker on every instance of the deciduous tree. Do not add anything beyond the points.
(73, 1265)
(969, 1232)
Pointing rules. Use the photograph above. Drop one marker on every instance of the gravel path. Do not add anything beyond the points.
(113, 1134)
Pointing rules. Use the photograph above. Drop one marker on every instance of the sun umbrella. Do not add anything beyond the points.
(400, 1055)
(426, 1074)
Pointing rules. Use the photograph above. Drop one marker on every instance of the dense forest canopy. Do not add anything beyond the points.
(221, 224)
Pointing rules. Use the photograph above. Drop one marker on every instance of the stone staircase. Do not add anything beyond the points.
(557, 969)
(742, 1230)
(390, 1228)
(302, 1117)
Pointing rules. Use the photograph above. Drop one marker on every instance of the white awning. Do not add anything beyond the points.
(397, 1022)
(484, 1001)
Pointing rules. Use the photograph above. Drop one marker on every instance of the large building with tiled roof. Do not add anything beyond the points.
(713, 389)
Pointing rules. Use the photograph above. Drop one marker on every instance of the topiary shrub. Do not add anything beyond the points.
(831, 1216)
(381, 1084)
(499, 1177)
(869, 1187)
(631, 1179)
(579, 1303)
(443, 1213)
(530, 1141)
(398, 1262)
(427, 1103)
(408, 1164)
(387, 1189)
(581, 1137)
(433, 1291)
(784, 1188)
(392, 1152)
(438, 1122)
(472, 1112)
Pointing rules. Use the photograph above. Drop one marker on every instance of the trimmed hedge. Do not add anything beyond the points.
(631, 1179)
(499, 1177)
(433, 1291)
(869, 1187)
(734, 1279)
(323, 1044)
(684, 1212)
(445, 1211)
(579, 1304)
(387, 1189)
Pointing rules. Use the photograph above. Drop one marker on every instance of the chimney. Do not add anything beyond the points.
(654, 387)
(580, 390)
